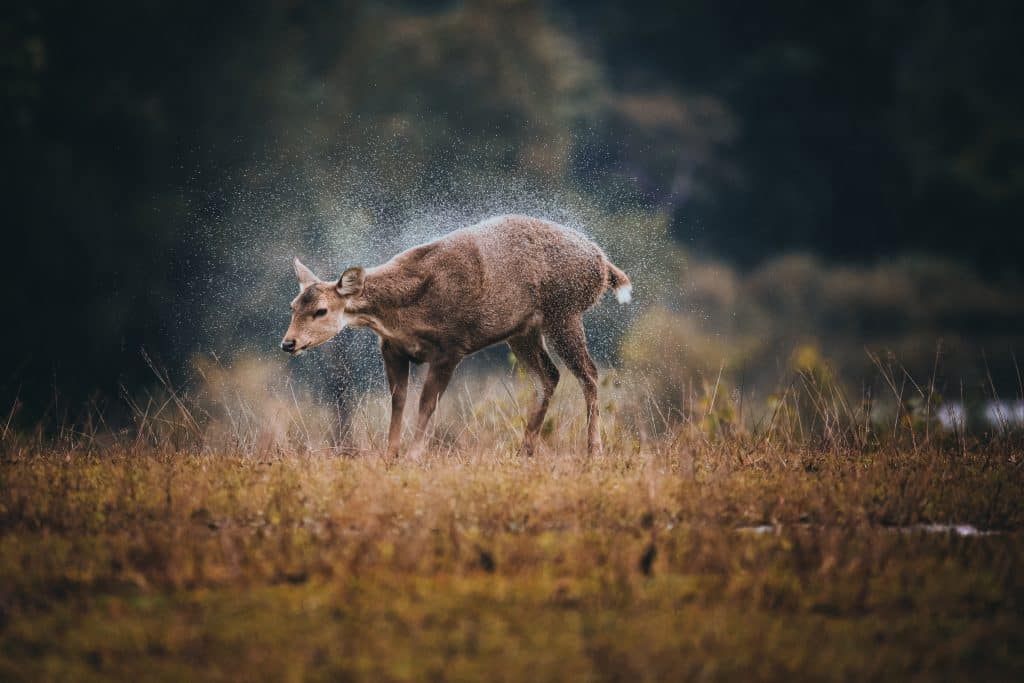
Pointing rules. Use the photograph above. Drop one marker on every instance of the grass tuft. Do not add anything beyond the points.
(229, 537)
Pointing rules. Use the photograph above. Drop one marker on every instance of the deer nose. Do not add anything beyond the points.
(288, 345)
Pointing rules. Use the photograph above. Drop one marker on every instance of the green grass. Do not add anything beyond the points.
(189, 550)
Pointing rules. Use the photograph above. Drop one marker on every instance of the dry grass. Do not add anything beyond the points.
(228, 539)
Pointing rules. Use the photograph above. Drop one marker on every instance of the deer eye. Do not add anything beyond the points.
(320, 312)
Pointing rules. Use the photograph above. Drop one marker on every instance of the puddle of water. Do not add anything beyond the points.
(956, 529)
(998, 414)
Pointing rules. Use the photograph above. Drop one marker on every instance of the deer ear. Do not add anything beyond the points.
(305, 275)
(351, 281)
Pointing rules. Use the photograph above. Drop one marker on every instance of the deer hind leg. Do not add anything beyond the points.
(570, 342)
(529, 349)
(438, 376)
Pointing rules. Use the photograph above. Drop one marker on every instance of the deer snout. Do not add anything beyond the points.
(288, 345)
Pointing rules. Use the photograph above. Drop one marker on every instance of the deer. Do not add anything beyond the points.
(515, 279)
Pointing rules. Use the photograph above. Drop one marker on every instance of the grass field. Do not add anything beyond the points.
(233, 544)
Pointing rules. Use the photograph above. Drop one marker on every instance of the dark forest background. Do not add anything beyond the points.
(846, 170)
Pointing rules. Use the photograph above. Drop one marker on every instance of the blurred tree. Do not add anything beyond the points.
(161, 157)
(862, 128)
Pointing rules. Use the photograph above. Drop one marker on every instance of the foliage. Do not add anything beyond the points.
(914, 312)
(164, 162)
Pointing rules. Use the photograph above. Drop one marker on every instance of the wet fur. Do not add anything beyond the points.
(510, 279)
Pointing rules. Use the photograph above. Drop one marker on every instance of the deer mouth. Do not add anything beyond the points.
(299, 350)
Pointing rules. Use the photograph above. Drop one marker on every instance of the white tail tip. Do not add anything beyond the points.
(624, 294)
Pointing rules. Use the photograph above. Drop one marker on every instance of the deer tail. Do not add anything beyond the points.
(619, 283)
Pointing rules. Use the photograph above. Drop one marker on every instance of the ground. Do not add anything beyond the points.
(144, 558)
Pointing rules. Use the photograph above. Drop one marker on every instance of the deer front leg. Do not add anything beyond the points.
(438, 376)
(396, 366)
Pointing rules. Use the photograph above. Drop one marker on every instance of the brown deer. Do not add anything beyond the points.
(510, 279)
